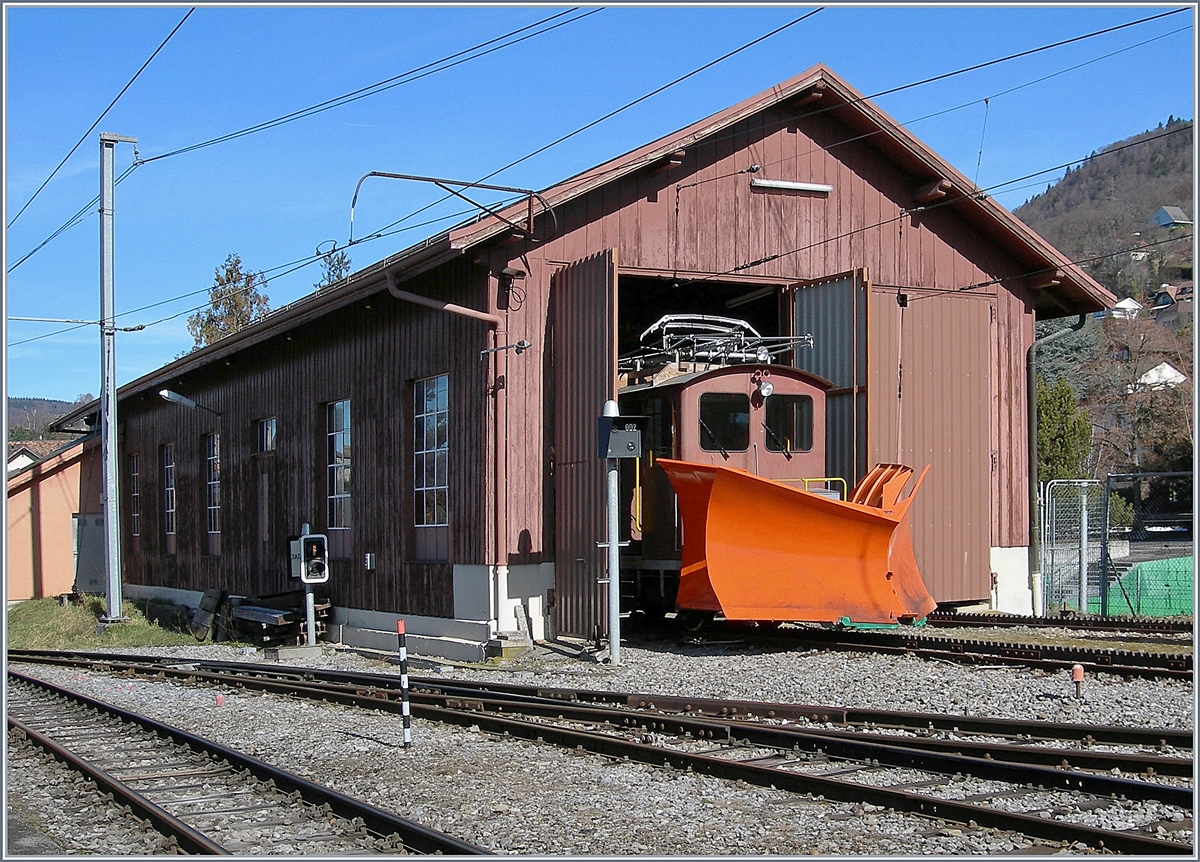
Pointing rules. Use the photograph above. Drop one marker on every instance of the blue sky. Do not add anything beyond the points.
(274, 196)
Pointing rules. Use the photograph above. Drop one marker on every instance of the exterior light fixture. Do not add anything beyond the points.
(766, 388)
(789, 186)
(176, 398)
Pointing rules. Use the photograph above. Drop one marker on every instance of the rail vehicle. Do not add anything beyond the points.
(731, 508)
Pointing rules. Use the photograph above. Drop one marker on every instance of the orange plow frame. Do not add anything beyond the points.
(758, 549)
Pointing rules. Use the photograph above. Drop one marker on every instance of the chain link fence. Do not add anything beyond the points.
(1122, 547)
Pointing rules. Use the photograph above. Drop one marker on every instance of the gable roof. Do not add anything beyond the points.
(1062, 288)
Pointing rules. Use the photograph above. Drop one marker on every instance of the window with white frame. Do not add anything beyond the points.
(337, 436)
(266, 435)
(168, 496)
(135, 497)
(212, 481)
(431, 446)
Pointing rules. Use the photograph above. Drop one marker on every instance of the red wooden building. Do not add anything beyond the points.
(370, 410)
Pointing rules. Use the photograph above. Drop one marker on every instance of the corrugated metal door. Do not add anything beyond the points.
(938, 413)
(834, 310)
(583, 298)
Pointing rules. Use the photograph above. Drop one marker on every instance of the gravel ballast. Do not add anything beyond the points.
(519, 797)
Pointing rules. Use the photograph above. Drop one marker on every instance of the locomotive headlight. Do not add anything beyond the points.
(766, 388)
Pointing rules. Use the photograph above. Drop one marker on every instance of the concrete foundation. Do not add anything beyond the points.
(1011, 593)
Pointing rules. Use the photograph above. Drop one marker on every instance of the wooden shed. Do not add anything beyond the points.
(456, 474)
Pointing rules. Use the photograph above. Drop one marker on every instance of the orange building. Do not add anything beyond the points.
(49, 503)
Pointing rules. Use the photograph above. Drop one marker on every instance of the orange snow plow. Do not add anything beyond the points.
(760, 549)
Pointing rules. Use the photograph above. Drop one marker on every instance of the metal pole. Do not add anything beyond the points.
(310, 611)
(614, 551)
(1104, 548)
(108, 401)
(1083, 552)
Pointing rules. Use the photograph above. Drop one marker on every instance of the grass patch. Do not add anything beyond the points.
(46, 624)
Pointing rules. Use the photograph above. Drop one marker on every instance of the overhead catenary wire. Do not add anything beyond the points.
(415, 74)
(943, 76)
(300, 263)
(103, 114)
(619, 110)
(381, 232)
(288, 268)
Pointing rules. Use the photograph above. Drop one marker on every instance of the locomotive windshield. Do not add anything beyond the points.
(724, 422)
(789, 423)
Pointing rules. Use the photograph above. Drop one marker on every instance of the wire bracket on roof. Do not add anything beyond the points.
(525, 231)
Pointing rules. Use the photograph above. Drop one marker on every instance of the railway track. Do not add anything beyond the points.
(202, 797)
(1038, 779)
(962, 650)
(1071, 621)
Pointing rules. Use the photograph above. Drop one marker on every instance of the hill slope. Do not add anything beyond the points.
(1105, 207)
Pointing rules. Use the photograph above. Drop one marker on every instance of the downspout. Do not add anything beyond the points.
(497, 329)
(1035, 521)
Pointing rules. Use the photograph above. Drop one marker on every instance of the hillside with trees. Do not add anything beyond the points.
(1101, 215)
(28, 417)
(1101, 212)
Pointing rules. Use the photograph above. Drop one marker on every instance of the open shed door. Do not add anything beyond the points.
(834, 310)
(583, 307)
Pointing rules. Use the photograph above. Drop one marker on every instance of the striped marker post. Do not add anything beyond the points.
(404, 709)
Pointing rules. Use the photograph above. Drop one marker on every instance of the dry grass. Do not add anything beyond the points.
(47, 624)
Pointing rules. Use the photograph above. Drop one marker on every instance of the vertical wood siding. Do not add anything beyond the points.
(369, 355)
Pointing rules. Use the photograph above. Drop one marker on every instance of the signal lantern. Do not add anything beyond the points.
(314, 559)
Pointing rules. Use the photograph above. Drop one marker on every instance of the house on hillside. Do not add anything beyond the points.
(1173, 305)
(456, 475)
(1171, 217)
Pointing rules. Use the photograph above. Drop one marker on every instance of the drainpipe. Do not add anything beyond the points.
(497, 329)
(1035, 521)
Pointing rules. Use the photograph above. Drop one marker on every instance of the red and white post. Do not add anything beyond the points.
(404, 708)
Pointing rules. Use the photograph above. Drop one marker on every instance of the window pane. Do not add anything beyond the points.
(430, 473)
(442, 431)
(441, 393)
(724, 421)
(419, 470)
(430, 432)
(439, 507)
(789, 421)
(439, 474)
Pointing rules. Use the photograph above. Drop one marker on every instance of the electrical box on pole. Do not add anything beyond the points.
(620, 436)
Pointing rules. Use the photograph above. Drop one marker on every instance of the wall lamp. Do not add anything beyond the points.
(520, 347)
(789, 186)
(176, 398)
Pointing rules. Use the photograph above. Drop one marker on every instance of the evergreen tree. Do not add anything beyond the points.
(235, 301)
(334, 267)
(1064, 435)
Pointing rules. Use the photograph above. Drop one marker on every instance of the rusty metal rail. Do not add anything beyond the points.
(206, 757)
(1074, 621)
(557, 715)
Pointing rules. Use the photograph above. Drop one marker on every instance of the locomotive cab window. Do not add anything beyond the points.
(789, 423)
(724, 422)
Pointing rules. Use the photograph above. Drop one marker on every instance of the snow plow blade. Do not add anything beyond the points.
(759, 549)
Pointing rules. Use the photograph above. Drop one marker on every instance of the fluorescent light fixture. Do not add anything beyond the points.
(176, 398)
(788, 185)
